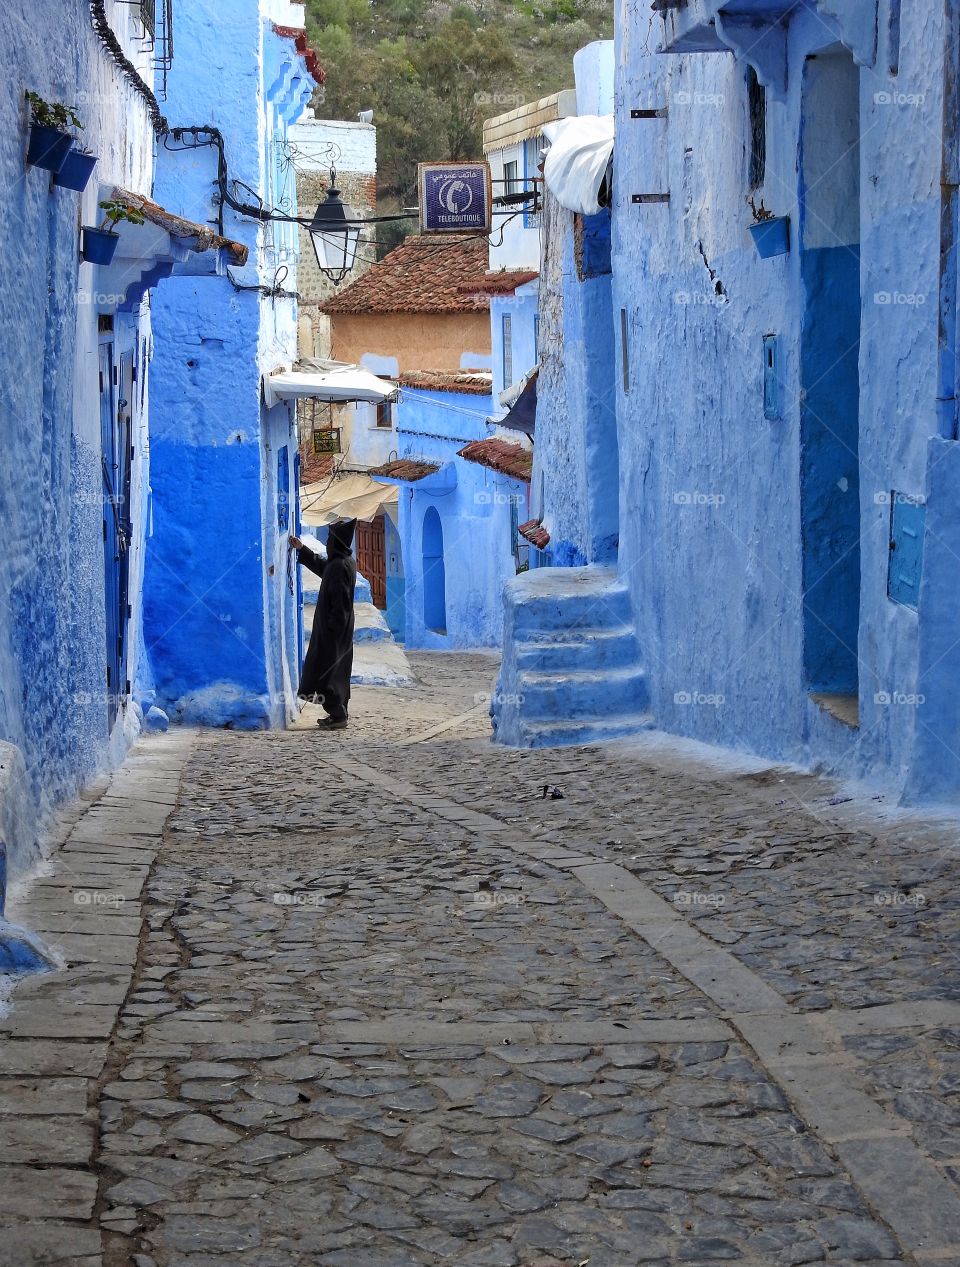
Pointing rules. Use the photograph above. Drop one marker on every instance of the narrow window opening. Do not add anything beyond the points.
(757, 104)
(624, 349)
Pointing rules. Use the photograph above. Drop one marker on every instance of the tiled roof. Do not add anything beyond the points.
(427, 273)
(512, 460)
(202, 236)
(462, 381)
(503, 283)
(535, 533)
(409, 469)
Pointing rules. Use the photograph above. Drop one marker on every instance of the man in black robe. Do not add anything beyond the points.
(329, 662)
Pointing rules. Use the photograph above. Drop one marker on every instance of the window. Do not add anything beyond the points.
(511, 177)
(506, 328)
(384, 414)
(757, 106)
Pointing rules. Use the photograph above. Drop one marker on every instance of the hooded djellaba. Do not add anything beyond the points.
(329, 661)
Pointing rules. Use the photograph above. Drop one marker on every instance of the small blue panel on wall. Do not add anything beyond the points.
(771, 378)
(283, 489)
(906, 549)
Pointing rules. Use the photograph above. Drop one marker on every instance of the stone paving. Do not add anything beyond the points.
(394, 996)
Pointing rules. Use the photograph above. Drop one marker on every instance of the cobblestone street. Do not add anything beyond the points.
(395, 997)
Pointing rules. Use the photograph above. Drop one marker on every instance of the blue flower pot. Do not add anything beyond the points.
(48, 147)
(771, 237)
(99, 245)
(76, 171)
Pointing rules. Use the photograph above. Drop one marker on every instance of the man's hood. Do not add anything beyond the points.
(340, 537)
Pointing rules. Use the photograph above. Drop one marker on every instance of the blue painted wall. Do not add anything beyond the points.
(473, 508)
(55, 731)
(717, 500)
(222, 625)
(576, 461)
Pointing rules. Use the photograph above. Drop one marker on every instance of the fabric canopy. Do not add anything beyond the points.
(326, 380)
(576, 163)
(520, 402)
(349, 497)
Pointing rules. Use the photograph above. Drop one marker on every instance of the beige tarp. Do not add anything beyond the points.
(347, 497)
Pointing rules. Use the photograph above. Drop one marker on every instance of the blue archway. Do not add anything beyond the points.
(434, 574)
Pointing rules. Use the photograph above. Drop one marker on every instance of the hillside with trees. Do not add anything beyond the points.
(432, 72)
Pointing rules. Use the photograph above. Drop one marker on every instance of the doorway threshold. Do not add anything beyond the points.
(845, 708)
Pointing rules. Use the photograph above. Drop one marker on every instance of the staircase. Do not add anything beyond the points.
(571, 670)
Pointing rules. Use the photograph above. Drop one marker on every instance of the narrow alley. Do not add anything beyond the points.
(397, 997)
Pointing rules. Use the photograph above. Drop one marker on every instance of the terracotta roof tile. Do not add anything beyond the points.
(409, 469)
(427, 273)
(502, 283)
(512, 460)
(535, 533)
(478, 384)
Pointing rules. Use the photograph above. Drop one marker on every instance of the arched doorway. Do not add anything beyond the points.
(434, 574)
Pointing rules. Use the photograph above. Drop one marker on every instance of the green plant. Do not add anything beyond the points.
(117, 211)
(759, 213)
(52, 114)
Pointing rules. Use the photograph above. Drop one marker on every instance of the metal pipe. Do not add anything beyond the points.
(947, 420)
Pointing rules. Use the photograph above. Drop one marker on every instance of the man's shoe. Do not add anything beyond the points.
(332, 723)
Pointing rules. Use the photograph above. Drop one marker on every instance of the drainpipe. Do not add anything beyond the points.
(949, 205)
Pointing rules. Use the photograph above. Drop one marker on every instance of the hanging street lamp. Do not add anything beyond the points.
(335, 233)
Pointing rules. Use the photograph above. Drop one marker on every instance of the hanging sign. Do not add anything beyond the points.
(455, 197)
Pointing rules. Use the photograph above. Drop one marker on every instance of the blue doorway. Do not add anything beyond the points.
(434, 574)
(829, 371)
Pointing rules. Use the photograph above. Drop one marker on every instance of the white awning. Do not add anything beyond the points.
(576, 163)
(347, 497)
(326, 380)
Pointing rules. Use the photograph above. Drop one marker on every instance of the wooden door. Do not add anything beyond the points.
(372, 558)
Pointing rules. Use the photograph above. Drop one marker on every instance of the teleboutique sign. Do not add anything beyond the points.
(455, 197)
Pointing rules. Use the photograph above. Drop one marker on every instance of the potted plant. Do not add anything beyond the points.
(77, 170)
(100, 245)
(50, 142)
(770, 233)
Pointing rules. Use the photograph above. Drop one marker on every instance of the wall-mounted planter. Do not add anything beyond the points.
(48, 147)
(771, 237)
(76, 171)
(99, 245)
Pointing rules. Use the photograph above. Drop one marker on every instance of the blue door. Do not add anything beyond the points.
(117, 384)
(434, 574)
